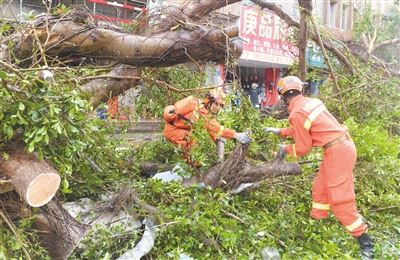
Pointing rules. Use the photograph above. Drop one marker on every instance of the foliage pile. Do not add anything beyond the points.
(197, 221)
(207, 223)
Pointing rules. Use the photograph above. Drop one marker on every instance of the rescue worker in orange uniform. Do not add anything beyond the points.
(180, 119)
(312, 125)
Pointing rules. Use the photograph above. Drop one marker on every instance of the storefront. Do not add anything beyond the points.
(266, 54)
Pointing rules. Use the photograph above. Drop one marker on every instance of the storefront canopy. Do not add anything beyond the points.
(265, 38)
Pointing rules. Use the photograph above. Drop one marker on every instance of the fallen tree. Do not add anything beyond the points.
(235, 171)
(55, 40)
(51, 41)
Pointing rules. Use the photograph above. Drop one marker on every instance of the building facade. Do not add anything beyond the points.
(123, 11)
(267, 52)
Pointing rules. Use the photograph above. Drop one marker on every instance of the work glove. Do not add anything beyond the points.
(221, 139)
(273, 130)
(243, 138)
(281, 153)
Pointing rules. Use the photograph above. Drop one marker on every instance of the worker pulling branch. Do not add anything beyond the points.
(312, 125)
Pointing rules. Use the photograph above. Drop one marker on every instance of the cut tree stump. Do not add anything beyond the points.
(35, 181)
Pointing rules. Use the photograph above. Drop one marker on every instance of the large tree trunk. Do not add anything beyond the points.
(78, 34)
(58, 231)
(35, 181)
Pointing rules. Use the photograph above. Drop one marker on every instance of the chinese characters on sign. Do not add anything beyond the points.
(265, 37)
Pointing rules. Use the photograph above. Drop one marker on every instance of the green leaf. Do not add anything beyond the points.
(31, 147)
(42, 130)
(3, 74)
(38, 138)
(21, 119)
(40, 154)
(65, 186)
(46, 138)
(34, 115)
(6, 156)
(21, 106)
(8, 131)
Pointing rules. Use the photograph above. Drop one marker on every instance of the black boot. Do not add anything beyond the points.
(366, 246)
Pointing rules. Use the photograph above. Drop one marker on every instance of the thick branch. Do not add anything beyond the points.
(35, 181)
(326, 58)
(305, 9)
(386, 43)
(191, 10)
(234, 171)
(100, 90)
(58, 231)
(165, 49)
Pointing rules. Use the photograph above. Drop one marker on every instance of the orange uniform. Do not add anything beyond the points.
(333, 189)
(179, 124)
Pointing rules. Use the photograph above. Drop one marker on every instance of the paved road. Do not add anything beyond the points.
(139, 132)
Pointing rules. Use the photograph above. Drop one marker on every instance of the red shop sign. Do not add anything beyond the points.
(265, 36)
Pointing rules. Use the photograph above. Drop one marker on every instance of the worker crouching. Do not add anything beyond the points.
(181, 117)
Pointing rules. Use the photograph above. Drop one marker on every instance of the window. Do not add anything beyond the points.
(345, 15)
(332, 13)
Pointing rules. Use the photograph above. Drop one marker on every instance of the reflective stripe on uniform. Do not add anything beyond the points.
(221, 129)
(294, 150)
(355, 224)
(321, 206)
(311, 105)
(315, 112)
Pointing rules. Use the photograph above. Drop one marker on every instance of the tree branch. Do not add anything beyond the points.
(190, 10)
(293, 23)
(386, 43)
(333, 76)
(305, 9)
(101, 89)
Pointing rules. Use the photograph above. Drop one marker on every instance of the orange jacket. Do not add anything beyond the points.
(311, 125)
(186, 112)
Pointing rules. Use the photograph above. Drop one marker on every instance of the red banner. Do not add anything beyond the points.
(265, 36)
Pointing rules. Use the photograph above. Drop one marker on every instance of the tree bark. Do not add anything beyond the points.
(385, 44)
(148, 169)
(305, 9)
(77, 34)
(100, 90)
(35, 181)
(190, 10)
(59, 232)
(234, 171)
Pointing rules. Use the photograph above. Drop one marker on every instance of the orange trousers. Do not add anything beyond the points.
(181, 138)
(333, 188)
